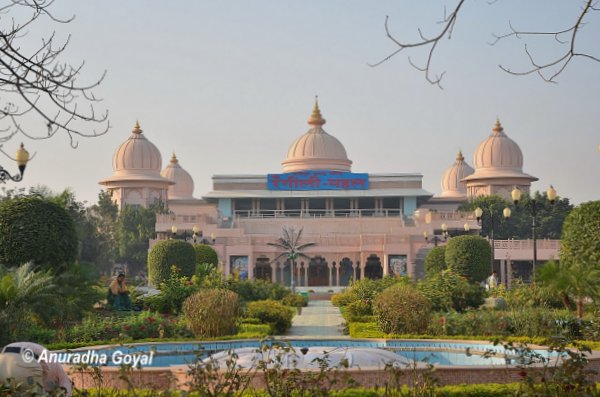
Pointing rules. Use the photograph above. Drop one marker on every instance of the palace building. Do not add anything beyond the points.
(362, 224)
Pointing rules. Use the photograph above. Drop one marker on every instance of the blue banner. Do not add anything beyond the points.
(318, 180)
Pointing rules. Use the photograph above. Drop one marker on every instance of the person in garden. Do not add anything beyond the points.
(492, 281)
(118, 295)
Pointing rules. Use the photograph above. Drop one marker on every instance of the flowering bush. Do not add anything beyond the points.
(142, 326)
(173, 291)
(402, 309)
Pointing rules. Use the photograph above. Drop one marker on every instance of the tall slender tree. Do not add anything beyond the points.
(291, 248)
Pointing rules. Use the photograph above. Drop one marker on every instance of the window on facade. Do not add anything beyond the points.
(293, 206)
(366, 205)
(317, 206)
(268, 206)
(243, 207)
(391, 205)
(341, 206)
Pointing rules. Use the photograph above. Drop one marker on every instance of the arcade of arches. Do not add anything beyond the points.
(318, 271)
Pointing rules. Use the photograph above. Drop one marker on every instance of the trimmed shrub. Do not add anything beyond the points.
(205, 254)
(38, 231)
(343, 298)
(271, 312)
(257, 290)
(169, 253)
(294, 300)
(212, 312)
(402, 309)
(435, 261)
(358, 309)
(450, 291)
(469, 256)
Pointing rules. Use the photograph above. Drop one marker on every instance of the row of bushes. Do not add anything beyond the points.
(543, 323)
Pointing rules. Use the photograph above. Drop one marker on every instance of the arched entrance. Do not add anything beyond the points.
(373, 268)
(318, 272)
(346, 272)
(262, 269)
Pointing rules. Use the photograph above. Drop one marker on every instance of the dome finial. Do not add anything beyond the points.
(137, 129)
(316, 118)
(174, 159)
(459, 156)
(497, 127)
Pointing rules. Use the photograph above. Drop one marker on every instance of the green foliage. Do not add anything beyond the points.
(572, 281)
(294, 300)
(402, 308)
(450, 291)
(277, 315)
(435, 261)
(36, 230)
(26, 297)
(206, 254)
(255, 290)
(522, 295)
(357, 309)
(135, 227)
(212, 312)
(550, 217)
(581, 236)
(365, 330)
(343, 298)
(167, 253)
(173, 292)
(469, 256)
(144, 325)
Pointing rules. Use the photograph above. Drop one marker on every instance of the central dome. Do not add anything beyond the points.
(452, 184)
(316, 149)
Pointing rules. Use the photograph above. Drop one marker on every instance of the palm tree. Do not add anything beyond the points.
(576, 280)
(289, 244)
(24, 295)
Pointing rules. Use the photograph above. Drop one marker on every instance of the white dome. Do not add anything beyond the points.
(316, 150)
(137, 155)
(184, 184)
(452, 185)
(498, 151)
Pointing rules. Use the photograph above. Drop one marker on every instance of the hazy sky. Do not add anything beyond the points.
(228, 86)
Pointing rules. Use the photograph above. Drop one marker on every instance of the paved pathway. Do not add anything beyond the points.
(319, 319)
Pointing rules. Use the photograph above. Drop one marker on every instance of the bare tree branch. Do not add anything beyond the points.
(547, 71)
(38, 83)
(447, 26)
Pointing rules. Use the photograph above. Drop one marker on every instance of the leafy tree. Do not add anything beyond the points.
(550, 217)
(574, 281)
(135, 227)
(291, 248)
(25, 295)
(37, 230)
(447, 290)
(469, 256)
(435, 261)
(168, 253)
(581, 236)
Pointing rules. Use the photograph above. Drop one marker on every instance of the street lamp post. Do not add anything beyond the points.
(479, 215)
(435, 238)
(173, 232)
(21, 157)
(516, 196)
(196, 230)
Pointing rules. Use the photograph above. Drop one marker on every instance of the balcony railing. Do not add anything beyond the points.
(318, 213)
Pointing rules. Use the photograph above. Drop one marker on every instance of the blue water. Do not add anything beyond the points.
(434, 352)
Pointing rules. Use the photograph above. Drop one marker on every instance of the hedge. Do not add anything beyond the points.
(206, 254)
(37, 230)
(169, 253)
(469, 256)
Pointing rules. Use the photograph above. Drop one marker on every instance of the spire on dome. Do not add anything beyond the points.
(498, 127)
(174, 159)
(459, 156)
(316, 118)
(137, 129)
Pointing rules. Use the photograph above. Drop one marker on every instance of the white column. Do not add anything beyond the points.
(503, 271)
(384, 263)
